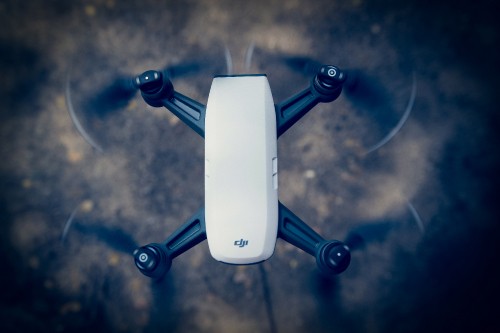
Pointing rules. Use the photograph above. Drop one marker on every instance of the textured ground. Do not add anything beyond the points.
(148, 178)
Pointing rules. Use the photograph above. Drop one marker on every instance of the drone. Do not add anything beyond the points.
(242, 217)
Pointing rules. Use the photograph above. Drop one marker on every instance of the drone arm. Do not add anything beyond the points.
(188, 235)
(296, 232)
(191, 112)
(292, 109)
(154, 260)
(331, 256)
(325, 87)
(157, 90)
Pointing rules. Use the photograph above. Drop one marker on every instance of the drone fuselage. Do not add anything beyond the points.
(241, 170)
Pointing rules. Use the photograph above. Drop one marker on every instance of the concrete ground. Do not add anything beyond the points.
(144, 177)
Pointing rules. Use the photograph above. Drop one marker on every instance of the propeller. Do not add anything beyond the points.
(363, 89)
(379, 230)
(162, 289)
(115, 95)
(368, 94)
(118, 90)
(96, 94)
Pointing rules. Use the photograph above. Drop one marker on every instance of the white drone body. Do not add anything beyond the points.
(241, 170)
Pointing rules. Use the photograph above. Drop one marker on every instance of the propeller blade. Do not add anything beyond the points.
(183, 69)
(378, 230)
(369, 232)
(94, 95)
(115, 238)
(402, 120)
(304, 65)
(362, 89)
(115, 95)
(118, 91)
(76, 121)
(366, 93)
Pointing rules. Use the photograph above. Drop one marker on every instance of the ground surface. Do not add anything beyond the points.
(148, 178)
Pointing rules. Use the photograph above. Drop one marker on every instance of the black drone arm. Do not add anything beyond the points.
(332, 257)
(157, 90)
(154, 260)
(325, 86)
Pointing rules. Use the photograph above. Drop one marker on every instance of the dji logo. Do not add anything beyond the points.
(240, 242)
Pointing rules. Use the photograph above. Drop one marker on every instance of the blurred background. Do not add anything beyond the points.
(84, 179)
